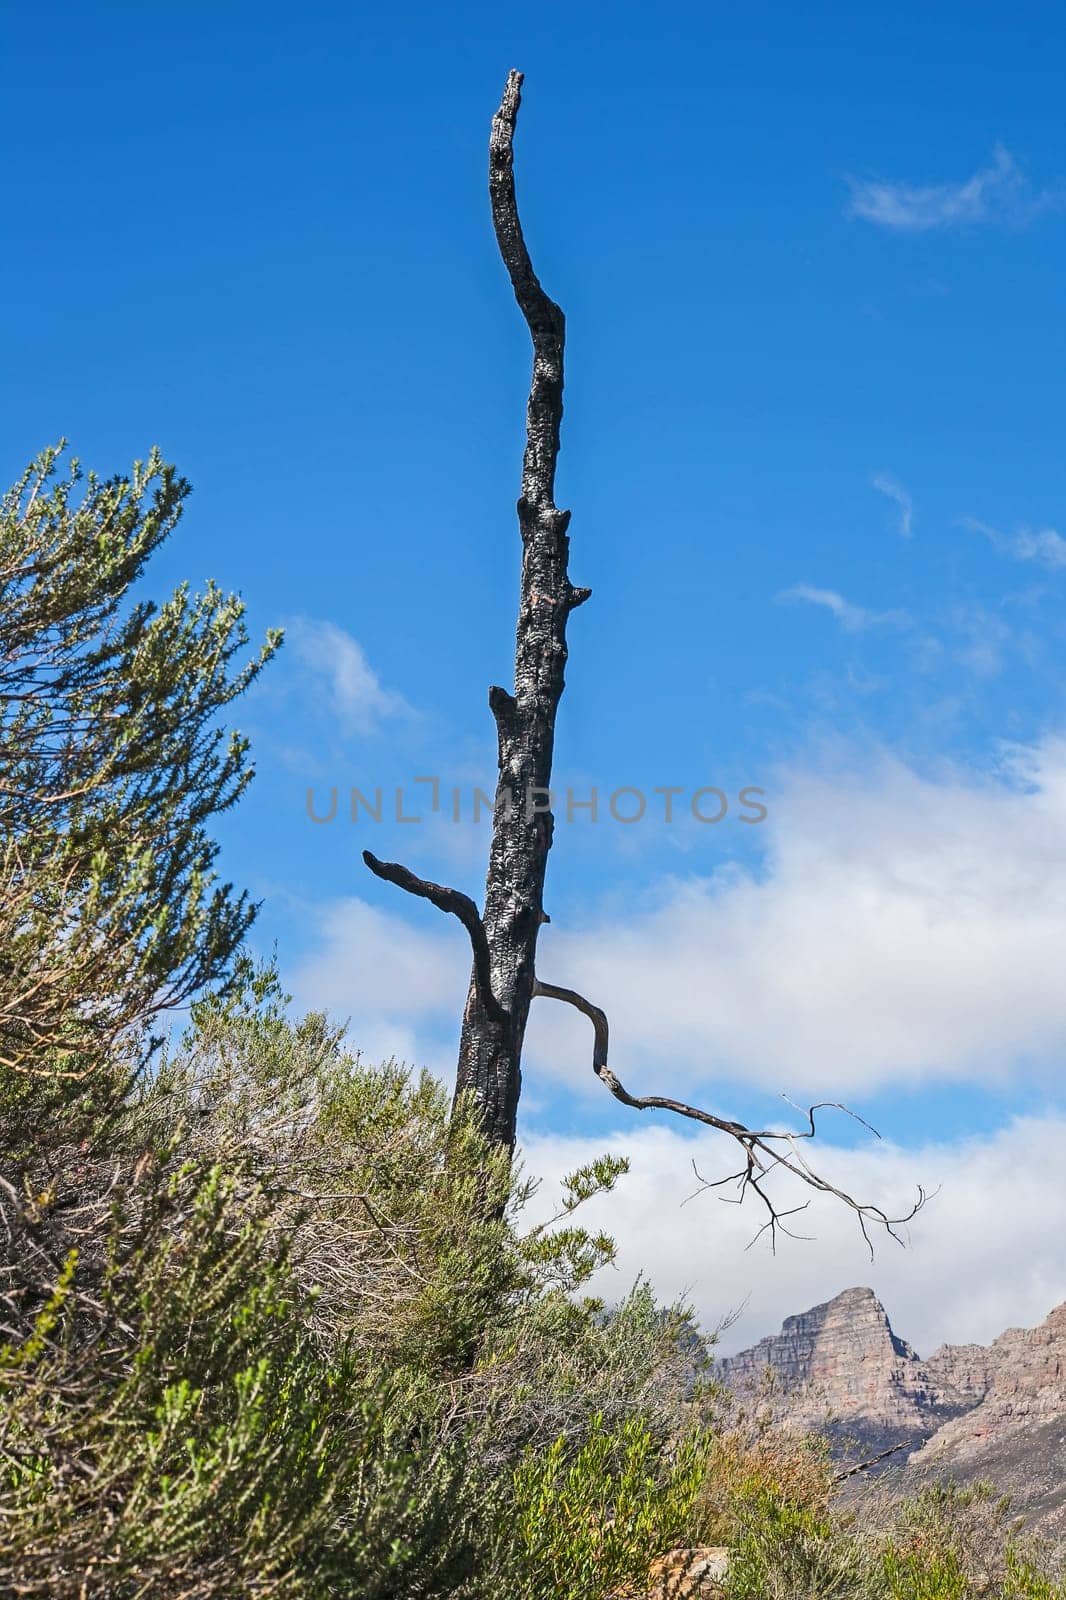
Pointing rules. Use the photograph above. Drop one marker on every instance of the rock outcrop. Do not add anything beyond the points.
(967, 1412)
(696, 1573)
(839, 1369)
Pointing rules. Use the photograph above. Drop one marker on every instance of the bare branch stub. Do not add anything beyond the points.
(459, 905)
(766, 1150)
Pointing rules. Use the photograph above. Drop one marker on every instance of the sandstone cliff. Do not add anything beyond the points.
(841, 1370)
(967, 1412)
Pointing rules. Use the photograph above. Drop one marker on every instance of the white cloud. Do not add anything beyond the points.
(1045, 546)
(397, 980)
(890, 486)
(997, 193)
(853, 618)
(905, 928)
(988, 1252)
(338, 661)
(1040, 544)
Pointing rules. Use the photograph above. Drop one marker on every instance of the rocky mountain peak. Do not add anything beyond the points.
(842, 1369)
(854, 1315)
(995, 1412)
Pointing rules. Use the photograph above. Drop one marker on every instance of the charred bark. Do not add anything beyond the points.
(490, 1051)
(504, 939)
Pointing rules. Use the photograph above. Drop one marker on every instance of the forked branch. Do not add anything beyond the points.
(766, 1150)
(459, 905)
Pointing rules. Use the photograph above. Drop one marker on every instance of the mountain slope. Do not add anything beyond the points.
(968, 1412)
(1016, 1435)
(839, 1369)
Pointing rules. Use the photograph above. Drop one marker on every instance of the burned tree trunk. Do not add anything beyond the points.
(502, 987)
(490, 1051)
(504, 981)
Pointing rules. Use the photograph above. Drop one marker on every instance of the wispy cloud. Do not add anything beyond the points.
(1045, 546)
(852, 618)
(338, 661)
(903, 928)
(997, 193)
(983, 640)
(887, 484)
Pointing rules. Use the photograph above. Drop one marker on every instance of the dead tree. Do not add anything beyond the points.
(504, 980)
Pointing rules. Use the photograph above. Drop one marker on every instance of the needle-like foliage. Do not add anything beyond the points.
(112, 767)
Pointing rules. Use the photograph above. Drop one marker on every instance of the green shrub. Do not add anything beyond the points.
(956, 1541)
(199, 1440)
(267, 1339)
(789, 1551)
(588, 1520)
(276, 1327)
(947, 1543)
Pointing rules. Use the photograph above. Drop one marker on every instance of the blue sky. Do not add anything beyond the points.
(811, 261)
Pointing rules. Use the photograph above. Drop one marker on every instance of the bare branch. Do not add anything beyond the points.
(766, 1150)
(459, 905)
(598, 1018)
(864, 1466)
